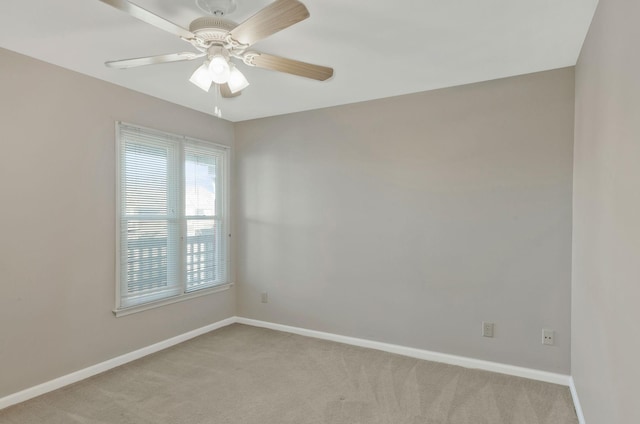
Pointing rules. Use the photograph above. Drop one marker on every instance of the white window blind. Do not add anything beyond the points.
(172, 215)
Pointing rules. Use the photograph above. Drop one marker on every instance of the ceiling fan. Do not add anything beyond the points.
(218, 40)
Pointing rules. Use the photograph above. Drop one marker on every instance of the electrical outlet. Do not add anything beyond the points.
(548, 337)
(487, 329)
(264, 297)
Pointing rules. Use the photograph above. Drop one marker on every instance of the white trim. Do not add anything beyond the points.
(174, 135)
(74, 377)
(445, 358)
(462, 361)
(576, 401)
(118, 214)
(169, 300)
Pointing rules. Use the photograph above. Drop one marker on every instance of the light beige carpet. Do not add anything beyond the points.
(241, 374)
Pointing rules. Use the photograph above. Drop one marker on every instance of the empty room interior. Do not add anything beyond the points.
(320, 211)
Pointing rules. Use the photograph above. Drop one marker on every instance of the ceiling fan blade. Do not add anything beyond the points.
(152, 60)
(225, 91)
(277, 16)
(152, 19)
(290, 66)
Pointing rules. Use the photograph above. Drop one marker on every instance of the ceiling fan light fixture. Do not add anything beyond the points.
(237, 81)
(219, 69)
(202, 77)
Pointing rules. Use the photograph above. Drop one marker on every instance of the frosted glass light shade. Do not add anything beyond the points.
(219, 69)
(237, 80)
(202, 77)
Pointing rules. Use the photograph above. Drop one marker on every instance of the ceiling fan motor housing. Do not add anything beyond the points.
(212, 29)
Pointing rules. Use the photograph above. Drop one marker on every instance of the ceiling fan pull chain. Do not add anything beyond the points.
(217, 112)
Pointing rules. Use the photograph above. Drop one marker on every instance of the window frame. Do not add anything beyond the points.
(185, 293)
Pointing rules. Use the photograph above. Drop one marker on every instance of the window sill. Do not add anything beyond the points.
(168, 301)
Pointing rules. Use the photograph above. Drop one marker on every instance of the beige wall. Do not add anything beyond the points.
(57, 245)
(606, 221)
(412, 219)
(408, 220)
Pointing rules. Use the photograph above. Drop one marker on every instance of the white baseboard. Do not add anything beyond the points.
(462, 361)
(82, 374)
(74, 377)
(576, 401)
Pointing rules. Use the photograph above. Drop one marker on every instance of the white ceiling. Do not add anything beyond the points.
(377, 48)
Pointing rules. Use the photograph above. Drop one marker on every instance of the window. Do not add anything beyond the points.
(172, 217)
